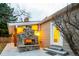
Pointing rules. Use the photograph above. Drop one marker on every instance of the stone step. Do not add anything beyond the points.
(56, 48)
(56, 51)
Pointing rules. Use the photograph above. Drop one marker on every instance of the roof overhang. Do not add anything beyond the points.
(24, 23)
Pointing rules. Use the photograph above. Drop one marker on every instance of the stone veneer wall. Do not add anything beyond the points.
(69, 25)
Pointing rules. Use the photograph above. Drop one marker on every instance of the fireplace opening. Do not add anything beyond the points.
(27, 41)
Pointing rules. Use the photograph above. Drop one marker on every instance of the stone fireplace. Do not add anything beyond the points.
(27, 38)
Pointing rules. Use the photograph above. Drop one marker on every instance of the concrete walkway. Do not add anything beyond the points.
(10, 50)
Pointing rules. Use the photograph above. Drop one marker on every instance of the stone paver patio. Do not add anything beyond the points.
(10, 50)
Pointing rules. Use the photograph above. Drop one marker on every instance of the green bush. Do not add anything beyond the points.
(6, 15)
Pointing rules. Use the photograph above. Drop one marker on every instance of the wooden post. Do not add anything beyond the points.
(15, 38)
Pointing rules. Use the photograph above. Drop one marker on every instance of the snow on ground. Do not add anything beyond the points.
(10, 50)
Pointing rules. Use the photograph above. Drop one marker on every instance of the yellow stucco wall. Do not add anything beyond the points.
(11, 29)
(45, 34)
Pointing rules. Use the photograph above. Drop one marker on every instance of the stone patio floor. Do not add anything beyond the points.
(10, 50)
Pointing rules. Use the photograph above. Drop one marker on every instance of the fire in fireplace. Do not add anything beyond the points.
(27, 41)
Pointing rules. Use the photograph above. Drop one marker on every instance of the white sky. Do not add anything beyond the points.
(39, 9)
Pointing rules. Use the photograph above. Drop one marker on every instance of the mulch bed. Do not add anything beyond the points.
(3, 42)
